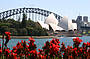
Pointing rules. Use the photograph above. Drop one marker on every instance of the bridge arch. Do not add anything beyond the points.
(42, 12)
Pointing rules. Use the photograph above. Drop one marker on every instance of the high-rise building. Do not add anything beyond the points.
(85, 18)
(79, 21)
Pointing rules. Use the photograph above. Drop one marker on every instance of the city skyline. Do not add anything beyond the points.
(69, 8)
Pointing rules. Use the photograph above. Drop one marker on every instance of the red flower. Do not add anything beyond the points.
(0, 52)
(31, 39)
(74, 39)
(7, 33)
(63, 53)
(7, 37)
(53, 45)
(0, 45)
(15, 50)
(88, 44)
(80, 40)
(40, 50)
(75, 49)
(14, 47)
(71, 57)
(80, 50)
(77, 41)
(84, 43)
(75, 52)
(7, 50)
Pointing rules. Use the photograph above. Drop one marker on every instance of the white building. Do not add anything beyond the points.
(67, 24)
(55, 27)
(53, 22)
(51, 19)
(64, 24)
(43, 25)
(72, 26)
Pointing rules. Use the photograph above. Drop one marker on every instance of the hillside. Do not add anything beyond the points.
(24, 27)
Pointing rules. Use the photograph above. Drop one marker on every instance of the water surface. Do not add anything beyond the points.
(40, 42)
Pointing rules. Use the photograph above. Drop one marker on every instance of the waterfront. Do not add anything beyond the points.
(40, 42)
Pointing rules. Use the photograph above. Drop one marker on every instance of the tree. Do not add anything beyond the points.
(10, 20)
(13, 31)
(24, 21)
(19, 19)
(3, 29)
(25, 27)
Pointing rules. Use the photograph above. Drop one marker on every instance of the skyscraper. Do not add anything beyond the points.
(79, 21)
(85, 18)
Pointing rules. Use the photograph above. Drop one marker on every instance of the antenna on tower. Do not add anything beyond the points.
(79, 13)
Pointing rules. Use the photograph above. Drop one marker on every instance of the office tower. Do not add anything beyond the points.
(85, 18)
(79, 21)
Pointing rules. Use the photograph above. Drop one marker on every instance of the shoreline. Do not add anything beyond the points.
(38, 37)
(35, 37)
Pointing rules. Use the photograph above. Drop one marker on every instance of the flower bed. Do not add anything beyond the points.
(50, 50)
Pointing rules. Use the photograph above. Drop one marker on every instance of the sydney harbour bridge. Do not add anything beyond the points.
(32, 13)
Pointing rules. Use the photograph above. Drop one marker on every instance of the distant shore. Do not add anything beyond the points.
(35, 37)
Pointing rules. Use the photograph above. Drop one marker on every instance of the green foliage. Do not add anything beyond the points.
(25, 27)
(5, 24)
(3, 29)
(24, 21)
(13, 31)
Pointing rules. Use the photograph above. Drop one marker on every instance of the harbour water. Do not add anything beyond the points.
(40, 42)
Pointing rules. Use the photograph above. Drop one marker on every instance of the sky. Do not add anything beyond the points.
(69, 8)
